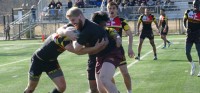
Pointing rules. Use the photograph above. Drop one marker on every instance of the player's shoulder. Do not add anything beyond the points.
(189, 10)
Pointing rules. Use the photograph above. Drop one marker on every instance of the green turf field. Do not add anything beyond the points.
(168, 74)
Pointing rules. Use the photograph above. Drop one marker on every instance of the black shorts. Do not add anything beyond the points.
(123, 62)
(52, 68)
(91, 67)
(193, 38)
(164, 33)
(150, 36)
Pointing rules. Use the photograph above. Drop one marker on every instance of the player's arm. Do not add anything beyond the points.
(81, 49)
(185, 19)
(159, 22)
(114, 34)
(154, 20)
(138, 25)
(130, 38)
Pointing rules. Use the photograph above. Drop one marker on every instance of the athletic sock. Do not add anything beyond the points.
(155, 55)
(129, 91)
(55, 91)
(138, 54)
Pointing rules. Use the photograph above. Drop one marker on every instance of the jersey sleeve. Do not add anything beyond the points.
(186, 14)
(125, 25)
(112, 32)
(82, 38)
(154, 18)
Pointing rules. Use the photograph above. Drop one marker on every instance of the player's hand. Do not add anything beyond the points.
(118, 41)
(164, 30)
(131, 54)
(158, 32)
(101, 44)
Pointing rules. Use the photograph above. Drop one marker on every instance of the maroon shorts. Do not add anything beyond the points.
(114, 57)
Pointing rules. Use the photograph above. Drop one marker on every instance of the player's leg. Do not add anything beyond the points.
(188, 48)
(198, 51)
(34, 74)
(151, 40)
(127, 79)
(141, 40)
(91, 74)
(106, 74)
(164, 39)
(60, 83)
(54, 72)
(100, 86)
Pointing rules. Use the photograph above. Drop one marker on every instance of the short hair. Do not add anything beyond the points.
(74, 12)
(112, 4)
(99, 17)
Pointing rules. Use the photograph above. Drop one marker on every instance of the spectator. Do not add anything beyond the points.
(150, 3)
(141, 8)
(52, 5)
(131, 3)
(69, 4)
(167, 2)
(58, 3)
(80, 4)
(7, 32)
(52, 11)
(33, 12)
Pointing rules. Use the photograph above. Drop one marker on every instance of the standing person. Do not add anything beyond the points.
(52, 5)
(33, 12)
(192, 18)
(120, 24)
(108, 56)
(44, 59)
(163, 22)
(7, 32)
(146, 19)
(100, 18)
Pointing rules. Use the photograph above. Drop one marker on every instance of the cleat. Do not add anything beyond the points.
(193, 69)
(155, 58)
(138, 58)
(198, 75)
(164, 47)
(169, 44)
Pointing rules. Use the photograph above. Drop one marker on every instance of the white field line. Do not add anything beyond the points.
(15, 62)
(20, 44)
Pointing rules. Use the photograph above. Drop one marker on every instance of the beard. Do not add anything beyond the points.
(79, 25)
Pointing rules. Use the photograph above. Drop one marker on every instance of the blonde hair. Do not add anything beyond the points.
(74, 12)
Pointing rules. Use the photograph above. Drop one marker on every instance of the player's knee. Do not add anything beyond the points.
(29, 90)
(187, 53)
(152, 44)
(94, 90)
(62, 87)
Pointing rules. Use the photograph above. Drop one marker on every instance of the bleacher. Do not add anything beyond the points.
(173, 11)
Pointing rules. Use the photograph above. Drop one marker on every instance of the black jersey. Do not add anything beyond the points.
(146, 21)
(90, 33)
(193, 19)
(53, 46)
